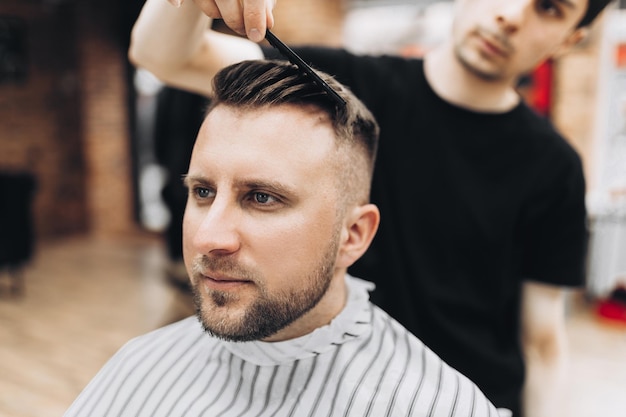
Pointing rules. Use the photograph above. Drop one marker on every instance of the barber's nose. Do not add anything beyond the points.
(511, 14)
(218, 230)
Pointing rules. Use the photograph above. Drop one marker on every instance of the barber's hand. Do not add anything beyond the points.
(246, 17)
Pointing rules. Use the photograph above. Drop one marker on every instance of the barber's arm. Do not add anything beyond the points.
(177, 45)
(545, 349)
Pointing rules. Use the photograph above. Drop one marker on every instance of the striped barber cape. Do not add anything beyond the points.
(363, 363)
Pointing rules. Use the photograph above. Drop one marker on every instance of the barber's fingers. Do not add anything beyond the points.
(246, 17)
(231, 12)
(258, 17)
(209, 7)
(215, 9)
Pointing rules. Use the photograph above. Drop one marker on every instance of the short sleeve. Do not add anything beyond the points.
(555, 229)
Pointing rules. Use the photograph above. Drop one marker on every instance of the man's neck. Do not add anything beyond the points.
(457, 85)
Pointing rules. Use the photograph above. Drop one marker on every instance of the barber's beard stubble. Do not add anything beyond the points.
(269, 312)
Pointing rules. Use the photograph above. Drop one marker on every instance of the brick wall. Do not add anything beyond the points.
(40, 123)
(67, 122)
(106, 124)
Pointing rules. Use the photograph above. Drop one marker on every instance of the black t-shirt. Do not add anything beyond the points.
(471, 205)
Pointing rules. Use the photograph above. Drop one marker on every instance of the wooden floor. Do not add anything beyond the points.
(84, 298)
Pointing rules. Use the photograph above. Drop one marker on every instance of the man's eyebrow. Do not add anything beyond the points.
(273, 186)
(189, 179)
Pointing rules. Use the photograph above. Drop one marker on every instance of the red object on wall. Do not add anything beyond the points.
(541, 89)
(620, 55)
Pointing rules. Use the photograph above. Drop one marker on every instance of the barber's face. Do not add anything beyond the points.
(503, 39)
(260, 232)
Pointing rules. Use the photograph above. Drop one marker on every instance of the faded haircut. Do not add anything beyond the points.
(259, 84)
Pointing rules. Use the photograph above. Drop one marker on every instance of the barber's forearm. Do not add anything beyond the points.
(165, 38)
(177, 45)
(545, 389)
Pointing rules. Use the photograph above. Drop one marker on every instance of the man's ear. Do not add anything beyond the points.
(573, 39)
(357, 234)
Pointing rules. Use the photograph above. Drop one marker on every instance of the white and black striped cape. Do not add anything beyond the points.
(363, 364)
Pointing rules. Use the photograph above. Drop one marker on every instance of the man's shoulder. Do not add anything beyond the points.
(159, 339)
(540, 127)
(420, 379)
(401, 341)
(554, 151)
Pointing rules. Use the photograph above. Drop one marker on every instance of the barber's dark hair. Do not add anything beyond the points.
(594, 7)
(262, 83)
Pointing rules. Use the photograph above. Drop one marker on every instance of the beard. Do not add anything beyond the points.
(269, 312)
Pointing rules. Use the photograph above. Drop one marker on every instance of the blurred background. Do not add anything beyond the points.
(89, 218)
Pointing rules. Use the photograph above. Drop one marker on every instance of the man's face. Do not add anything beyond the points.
(261, 230)
(503, 39)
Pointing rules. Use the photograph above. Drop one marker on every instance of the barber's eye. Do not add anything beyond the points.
(549, 6)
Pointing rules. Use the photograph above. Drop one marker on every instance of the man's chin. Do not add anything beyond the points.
(220, 331)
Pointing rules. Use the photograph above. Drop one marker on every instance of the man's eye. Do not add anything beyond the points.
(550, 7)
(263, 198)
(201, 192)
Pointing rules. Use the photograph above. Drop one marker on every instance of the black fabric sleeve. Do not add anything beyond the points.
(556, 232)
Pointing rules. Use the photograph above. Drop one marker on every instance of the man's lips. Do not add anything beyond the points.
(222, 281)
(493, 44)
(494, 47)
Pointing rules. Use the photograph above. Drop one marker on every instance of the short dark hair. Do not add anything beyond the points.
(261, 83)
(594, 7)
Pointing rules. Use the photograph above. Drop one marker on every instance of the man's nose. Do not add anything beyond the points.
(511, 14)
(218, 231)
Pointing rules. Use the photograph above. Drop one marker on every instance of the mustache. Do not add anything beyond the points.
(208, 266)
